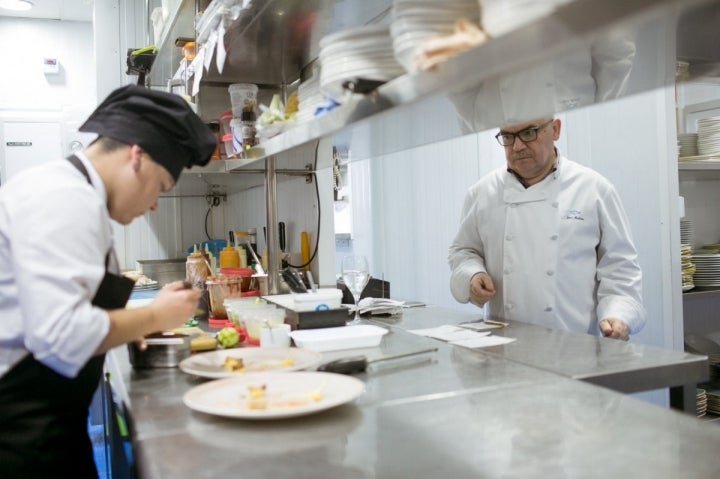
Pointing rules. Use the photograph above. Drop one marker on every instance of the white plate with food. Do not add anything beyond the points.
(226, 363)
(273, 395)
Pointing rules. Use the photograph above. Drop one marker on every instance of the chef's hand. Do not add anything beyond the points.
(614, 328)
(174, 304)
(481, 288)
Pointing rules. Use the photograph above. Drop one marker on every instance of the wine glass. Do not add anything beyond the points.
(356, 274)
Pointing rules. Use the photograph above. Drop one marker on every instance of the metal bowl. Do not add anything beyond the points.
(164, 350)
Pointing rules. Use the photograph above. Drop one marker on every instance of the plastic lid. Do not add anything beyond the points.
(226, 114)
(237, 271)
(227, 137)
(243, 86)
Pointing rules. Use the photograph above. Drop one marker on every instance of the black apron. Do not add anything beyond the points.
(43, 414)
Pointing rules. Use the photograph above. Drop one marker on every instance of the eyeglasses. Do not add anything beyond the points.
(527, 135)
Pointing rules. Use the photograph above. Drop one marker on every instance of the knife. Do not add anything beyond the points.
(295, 285)
(358, 364)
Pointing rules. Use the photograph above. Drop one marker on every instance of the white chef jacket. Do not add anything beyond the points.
(55, 233)
(559, 253)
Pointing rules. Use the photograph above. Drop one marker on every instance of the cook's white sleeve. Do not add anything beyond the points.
(618, 270)
(465, 255)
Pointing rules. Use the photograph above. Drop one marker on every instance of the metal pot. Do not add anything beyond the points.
(164, 350)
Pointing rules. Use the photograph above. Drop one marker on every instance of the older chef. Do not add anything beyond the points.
(62, 301)
(546, 241)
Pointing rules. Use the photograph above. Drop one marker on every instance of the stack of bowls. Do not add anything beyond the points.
(364, 52)
(414, 22)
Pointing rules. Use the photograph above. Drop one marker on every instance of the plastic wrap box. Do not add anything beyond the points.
(300, 316)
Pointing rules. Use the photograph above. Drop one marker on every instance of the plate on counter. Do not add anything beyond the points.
(146, 286)
(273, 395)
(223, 363)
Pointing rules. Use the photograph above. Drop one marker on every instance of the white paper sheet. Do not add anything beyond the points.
(450, 333)
(483, 342)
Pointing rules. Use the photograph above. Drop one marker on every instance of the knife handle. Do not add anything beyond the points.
(349, 365)
(281, 235)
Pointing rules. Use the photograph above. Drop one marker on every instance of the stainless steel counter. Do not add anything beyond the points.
(619, 365)
(456, 413)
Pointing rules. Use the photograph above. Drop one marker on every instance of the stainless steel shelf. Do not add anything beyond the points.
(703, 293)
(575, 25)
(699, 170)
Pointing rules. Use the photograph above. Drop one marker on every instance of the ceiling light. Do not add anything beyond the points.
(18, 5)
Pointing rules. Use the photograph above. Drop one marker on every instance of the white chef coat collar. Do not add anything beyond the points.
(553, 172)
(95, 179)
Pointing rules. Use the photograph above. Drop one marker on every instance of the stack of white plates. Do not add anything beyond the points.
(687, 232)
(502, 16)
(707, 269)
(708, 142)
(713, 401)
(414, 22)
(687, 144)
(309, 98)
(688, 267)
(701, 401)
(364, 52)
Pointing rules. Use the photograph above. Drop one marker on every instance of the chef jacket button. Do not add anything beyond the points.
(513, 205)
(550, 272)
(555, 204)
(509, 306)
(548, 309)
(507, 270)
(509, 237)
(554, 237)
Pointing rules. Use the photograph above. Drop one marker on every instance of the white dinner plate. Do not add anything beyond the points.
(286, 394)
(256, 360)
(147, 286)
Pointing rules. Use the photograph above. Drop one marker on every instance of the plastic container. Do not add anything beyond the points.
(344, 337)
(221, 287)
(243, 97)
(253, 320)
(224, 119)
(244, 134)
(228, 143)
(245, 275)
(322, 300)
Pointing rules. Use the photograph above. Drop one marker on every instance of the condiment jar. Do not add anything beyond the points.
(197, 269)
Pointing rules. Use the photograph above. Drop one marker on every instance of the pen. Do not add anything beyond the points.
(496, 323)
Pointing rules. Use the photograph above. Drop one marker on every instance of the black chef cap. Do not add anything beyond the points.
(161, 123)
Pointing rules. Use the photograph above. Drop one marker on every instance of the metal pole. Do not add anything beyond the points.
(272, 224)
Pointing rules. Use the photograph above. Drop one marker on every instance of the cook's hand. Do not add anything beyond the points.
(614, 328)
(481, 288)
(174, 304)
